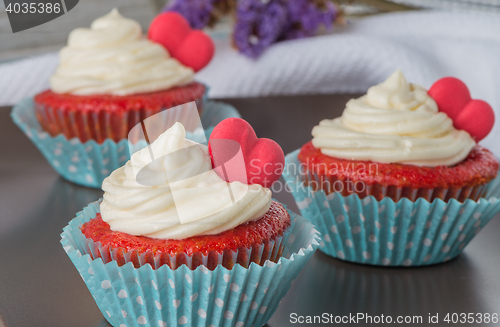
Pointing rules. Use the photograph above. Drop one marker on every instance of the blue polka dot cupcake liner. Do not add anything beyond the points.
(89, 163)
(129, 296)
(388, 233)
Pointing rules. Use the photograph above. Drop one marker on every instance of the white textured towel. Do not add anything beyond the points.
(426, 45)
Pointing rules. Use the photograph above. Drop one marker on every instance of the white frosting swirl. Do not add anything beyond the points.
(178, 195)
(395, 122)
(112, 57)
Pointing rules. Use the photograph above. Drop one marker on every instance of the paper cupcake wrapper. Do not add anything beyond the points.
(89, 163)
(104, 125)
(270, 250)
(129, 296)
(331, 184)
(402, 233)
(116, 124)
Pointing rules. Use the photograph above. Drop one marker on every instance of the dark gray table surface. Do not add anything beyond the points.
(40, 287)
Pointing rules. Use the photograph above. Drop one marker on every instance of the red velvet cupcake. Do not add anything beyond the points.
(174, 243)
(168, 206)
(395, 142)
(465, 180)
(255, 241)
(109, 79)
(101, 117)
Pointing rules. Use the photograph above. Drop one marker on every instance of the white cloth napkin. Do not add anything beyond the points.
(425, 45)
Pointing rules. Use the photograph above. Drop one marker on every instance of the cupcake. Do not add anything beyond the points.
(394, 181)
(173, 243)
(110, 78)
(394, 142)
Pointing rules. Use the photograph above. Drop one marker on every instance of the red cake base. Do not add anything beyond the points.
(465, 180)
(99, 117)
(258, 236)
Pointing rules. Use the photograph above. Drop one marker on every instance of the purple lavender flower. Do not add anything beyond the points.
(306, 16)
(259, 24)
(197, 12)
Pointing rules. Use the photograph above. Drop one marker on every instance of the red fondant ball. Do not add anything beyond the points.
(196, 51)
(477, 118)
(169, 29)
(450, 94)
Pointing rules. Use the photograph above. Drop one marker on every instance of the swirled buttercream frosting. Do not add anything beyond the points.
(395, 122)
(113, 57)
(169, 190)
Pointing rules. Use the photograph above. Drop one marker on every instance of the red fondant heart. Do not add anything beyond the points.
(192, 48)
(453, 98)
(238, 155)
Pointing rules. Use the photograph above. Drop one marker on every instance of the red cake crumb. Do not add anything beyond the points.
(248, 235)
(102, 116)
(461, 181)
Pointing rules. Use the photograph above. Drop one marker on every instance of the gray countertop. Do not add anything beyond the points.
(40, 287)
